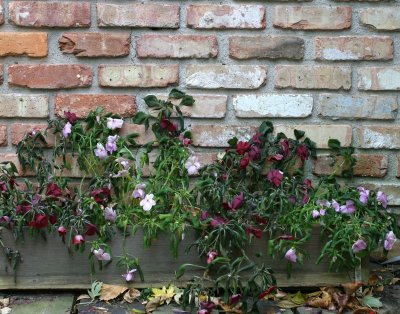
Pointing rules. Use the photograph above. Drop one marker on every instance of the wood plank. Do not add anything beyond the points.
(48, 265)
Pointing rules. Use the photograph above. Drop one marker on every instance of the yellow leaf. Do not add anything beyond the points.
(164, 294)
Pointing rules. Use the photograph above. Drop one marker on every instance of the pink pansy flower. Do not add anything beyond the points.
(359, 245)
(101, 255)
(390, 239)
(110, 214)
(139, 191)
(111, 145)
(66, 131)
(336, 206)
(147, 203)
(364, 194)
(291, 255)
(382, 198)
(192, 165)
(275, 176)
(211, 256)
(123, 162)
(78, 239)
(100, 151)
(129, 276)
(114, 123)
(322, 212)
(315, 214)
(349, 208)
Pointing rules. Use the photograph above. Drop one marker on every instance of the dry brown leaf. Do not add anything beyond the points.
(110, 292)
(373, 279)
(229, 308)
(353, 303)
(394, 280)
(351, 287)
(380, 288)
(154, 303)
(324, 301)
(341, 299)
(286, 304)
(4, 302)
(131, 295)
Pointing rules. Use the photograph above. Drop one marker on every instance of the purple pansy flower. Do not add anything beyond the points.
(129, 276)
(110, 214)
(349, 208)
(192, 165)
(364, 194)
(111, 145)
(390, 239)
(101, 255)
(139, 191)
(382, 198)
(148, 202)
(291, 255)
(359, 245)
(114, 123)
(67, 130)
(100, 151)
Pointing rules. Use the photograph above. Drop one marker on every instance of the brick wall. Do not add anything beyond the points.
(331, 68)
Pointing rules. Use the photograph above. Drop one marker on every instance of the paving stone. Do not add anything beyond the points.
(43, 305)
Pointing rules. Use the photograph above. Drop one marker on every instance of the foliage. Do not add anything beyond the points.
(255, 189)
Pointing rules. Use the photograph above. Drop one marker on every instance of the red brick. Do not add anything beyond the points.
(271, 47)
(19, 130)
(138, 75)
(366, 166)
(95, 44)
(226, 16)
(154, 15)
(53, 76)
(3, 135)
(144, 136)
(354, 48)
(17, 44)
(312, 17)
(177, 46)
(49, 13)
(1, 12)
(82, 104)
(12, 157)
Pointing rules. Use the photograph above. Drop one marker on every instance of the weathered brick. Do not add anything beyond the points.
(13, 157)
(205, 106)
(366, 166)
(139, 75)
(313, 77)
(52, 76)
(320, 134)
(382, 19)
(218, 135)
(391, 190)
(379, 107)
(74, 172)
(82, 104)
(17, 44)
(226, 16)
(271, 47)
(398, 166)
(379, 136)
(95, 44)
(177, 46)
(19, 130)
(354, 48)
(24, 106)
(312, 17)
(273, 105)
(144, 136)
(154, 15)
(1, 73)
(379, 78)
(1, 12)
(49, 13)
(214, 76)
(3, 135)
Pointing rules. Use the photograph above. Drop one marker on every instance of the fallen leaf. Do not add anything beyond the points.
(154, 303)
(341, 299)
(374, 279)
(364, 310)
(4, 302)
(164, 293)
(110, 292)
(131, 295)
(286, 304)
(351, 287)
(298, 298)
(83, 297)
(324, 301)
(394, 281)
(6, 310)
(380, 288)
(230, 309)
(353, 303)
(177, 297)
(371, 301)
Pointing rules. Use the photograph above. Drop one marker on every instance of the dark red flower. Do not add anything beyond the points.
(62, 231)
(244, 162)
(53, 219)
(92, 229)
(255, 153)
(166, 124)
(53, 190)
(305, 198)
(237, 201)
(302, 152)
(4, 219)
(287, 237)
(217, 221)
(242, 147)
(275, 176)
(256, 138)
(234, 299)
(307, 183)
(23, 208)
(40, 221)
(3, 186)
(292, 199)
(100, 195)
(285, 147)
(260, 220)
(71, 117)
(255, 231)
(204, 215)
(208, 306)
(267, 292)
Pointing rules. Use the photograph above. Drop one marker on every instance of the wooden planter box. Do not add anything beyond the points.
(48, 265)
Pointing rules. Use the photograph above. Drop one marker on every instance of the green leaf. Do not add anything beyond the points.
(334, 143)
(187, 101)
(298, 134)
(371, 301)
(233, 142)
(266, 127)
(176, 94)
(142, 118)
(151, 101)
